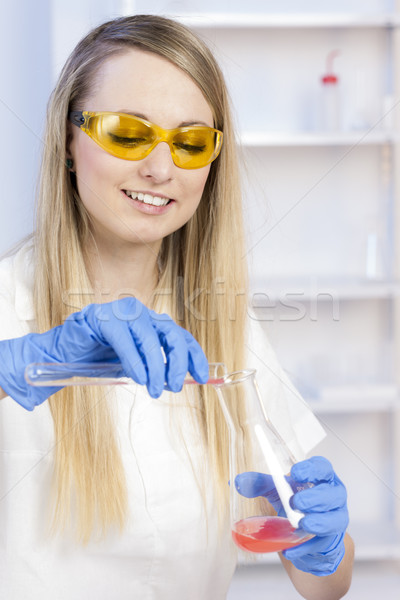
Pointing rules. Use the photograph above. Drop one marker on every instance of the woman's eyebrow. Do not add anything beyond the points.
(190, 123)
(145, 118)
(133, 114)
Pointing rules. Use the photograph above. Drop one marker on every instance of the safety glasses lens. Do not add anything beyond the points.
(193, 147)
(123, 136)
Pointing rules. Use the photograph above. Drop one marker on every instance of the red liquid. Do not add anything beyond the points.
(212, 381)
(267, 534)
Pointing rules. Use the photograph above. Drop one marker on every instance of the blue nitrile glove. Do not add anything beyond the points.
(252, 484)
(324, 506)
(122, 331)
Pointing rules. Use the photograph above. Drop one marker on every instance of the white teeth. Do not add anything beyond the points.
(147, 198)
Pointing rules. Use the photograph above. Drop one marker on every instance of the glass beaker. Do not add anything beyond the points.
(256, 447)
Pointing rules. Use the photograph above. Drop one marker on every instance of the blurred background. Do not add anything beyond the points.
(315, 88)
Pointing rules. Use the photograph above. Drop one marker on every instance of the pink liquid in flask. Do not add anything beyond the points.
(267, 534)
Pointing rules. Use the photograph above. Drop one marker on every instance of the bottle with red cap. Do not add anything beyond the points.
(330, 105)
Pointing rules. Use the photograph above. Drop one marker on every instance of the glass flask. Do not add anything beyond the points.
(256, 447)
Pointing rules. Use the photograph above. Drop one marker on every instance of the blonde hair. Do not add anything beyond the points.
(205, 255)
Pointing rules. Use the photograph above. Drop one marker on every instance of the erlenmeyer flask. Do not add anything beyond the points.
(256, 447)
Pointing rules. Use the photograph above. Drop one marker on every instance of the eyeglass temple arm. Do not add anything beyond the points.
(76, 117)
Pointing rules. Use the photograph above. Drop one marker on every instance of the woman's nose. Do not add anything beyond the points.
(158, 165)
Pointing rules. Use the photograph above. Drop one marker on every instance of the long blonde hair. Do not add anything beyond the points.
(202, 264)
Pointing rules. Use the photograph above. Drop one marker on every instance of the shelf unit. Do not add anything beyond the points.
(361, 412)
(317, 289)
(287, 21)
(263, 139)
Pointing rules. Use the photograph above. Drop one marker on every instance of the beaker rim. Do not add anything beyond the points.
(235, 377)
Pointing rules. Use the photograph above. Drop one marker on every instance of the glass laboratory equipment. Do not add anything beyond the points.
(67, 374)
(256, 447)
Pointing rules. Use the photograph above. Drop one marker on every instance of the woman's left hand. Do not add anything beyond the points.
(326, 515)
(325, 512)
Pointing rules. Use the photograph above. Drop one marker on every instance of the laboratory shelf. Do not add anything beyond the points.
(263, 292)
(287, 21)
(370, 137)
(369, 582)
(350, 399)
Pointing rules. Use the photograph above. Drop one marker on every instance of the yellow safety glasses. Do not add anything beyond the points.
(131, 138)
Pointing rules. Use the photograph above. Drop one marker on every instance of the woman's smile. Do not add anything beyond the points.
(149, 203)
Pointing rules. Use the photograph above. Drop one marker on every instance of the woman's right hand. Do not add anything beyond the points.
(122, 331)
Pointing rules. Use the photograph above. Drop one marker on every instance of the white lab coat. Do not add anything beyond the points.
(169, 549)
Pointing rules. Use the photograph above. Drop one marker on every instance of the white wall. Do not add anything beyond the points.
(24, 87)
(36, 38)
(73, 19)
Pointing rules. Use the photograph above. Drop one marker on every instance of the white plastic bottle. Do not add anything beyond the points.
(330, 97)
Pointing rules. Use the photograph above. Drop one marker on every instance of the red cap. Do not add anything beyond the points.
(330, 78)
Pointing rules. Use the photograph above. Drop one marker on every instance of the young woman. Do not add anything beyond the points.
(138, 259)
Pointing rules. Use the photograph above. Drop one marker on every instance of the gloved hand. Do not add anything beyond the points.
(123, 331)
(324, 506)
